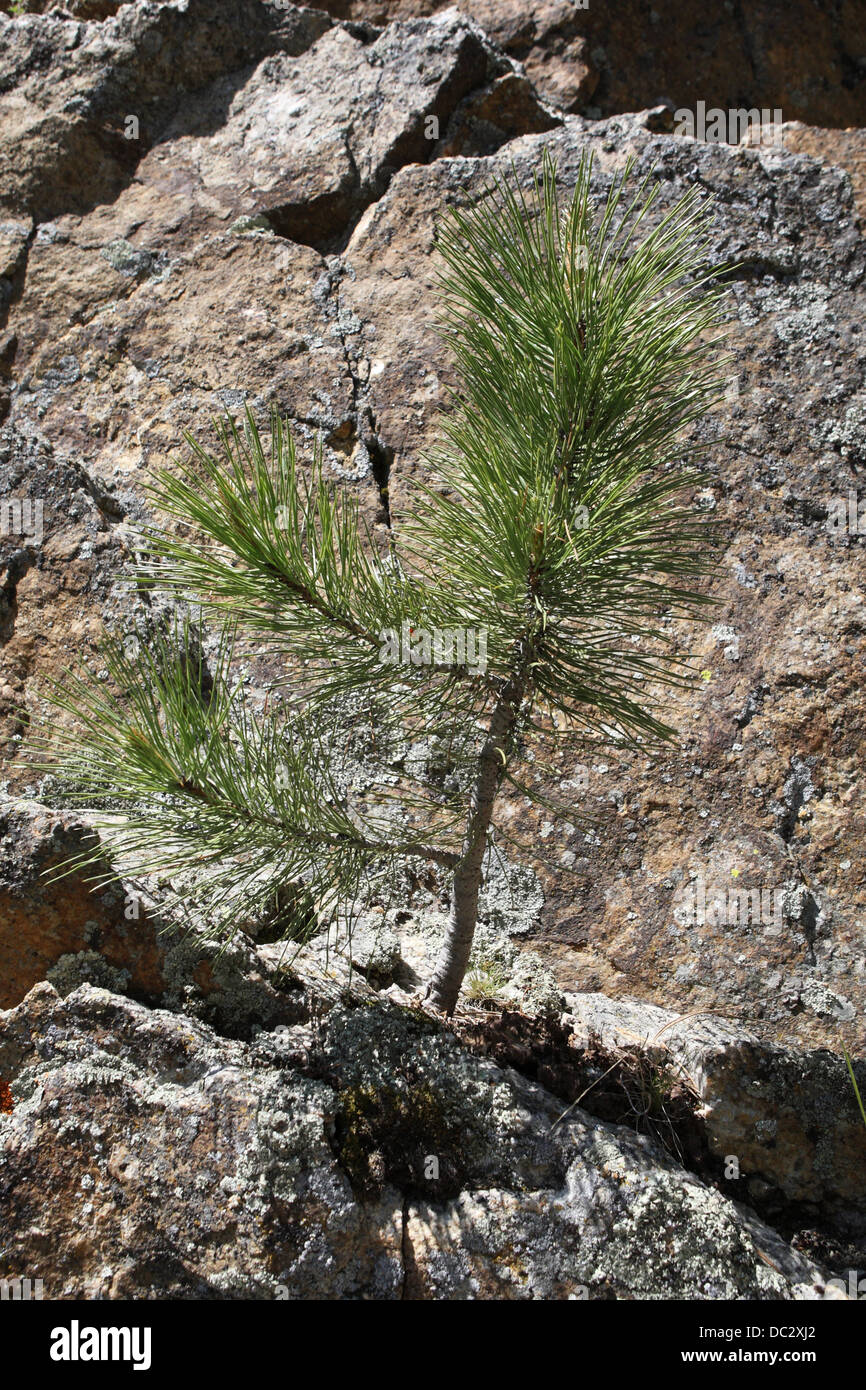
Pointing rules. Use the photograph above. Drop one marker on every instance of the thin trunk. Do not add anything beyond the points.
(447, 978)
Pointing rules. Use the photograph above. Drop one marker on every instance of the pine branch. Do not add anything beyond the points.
(586, 348)
(284, 555)
(209, 782)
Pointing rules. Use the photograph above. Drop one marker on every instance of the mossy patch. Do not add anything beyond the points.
(406, 1137)
(411, 1113)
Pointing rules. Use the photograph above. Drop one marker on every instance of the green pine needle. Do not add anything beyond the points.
(558, 525)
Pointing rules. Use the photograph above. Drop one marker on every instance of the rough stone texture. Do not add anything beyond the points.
(763, 790)
(806, 59)
(65, 930)
(148, 314)
(789, 1118)
(53, 587)
(146, 284)
(151, 313)
(847, 148)
(268, 238)
(146, 1156)
(65, 138)
(222, 113)
(46, 920)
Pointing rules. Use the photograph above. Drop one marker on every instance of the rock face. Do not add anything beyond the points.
(68, 143)
(763, 792)
(207, 206)
(788, 1119)
(45, 922)
(155, 1159)
(624, 57)
(69, 932)
(628, 56)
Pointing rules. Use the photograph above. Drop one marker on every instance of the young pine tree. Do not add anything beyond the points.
(528, 591)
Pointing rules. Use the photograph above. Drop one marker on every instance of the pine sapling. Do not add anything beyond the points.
(525, 604)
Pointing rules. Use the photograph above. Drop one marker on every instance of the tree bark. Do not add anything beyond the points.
(447, 978)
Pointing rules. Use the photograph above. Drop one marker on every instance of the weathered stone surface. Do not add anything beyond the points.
(763, 790)
(547, 37)
(788, 1118)
(347, 345)
(846, 148)
(269, 238)
(67, 142)
(79, 9)
(185, 296)
(63, 547)
(45, 920)
(146, 1156)
(627, 56)
(66, 930)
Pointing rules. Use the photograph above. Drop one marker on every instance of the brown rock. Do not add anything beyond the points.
(42, 920)
(68, 142)
(846, 148)
(152, 312)
(146, 1157)
(628, 56)
(784, 1125)
(69, 931)
(269, 238)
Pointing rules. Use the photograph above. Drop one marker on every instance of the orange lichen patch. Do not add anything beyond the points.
(6, 1103)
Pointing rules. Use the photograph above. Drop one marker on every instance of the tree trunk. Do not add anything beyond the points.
(447, 978)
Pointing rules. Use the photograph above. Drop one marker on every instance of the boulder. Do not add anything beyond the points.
(783, 1124)
(145, 1156)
